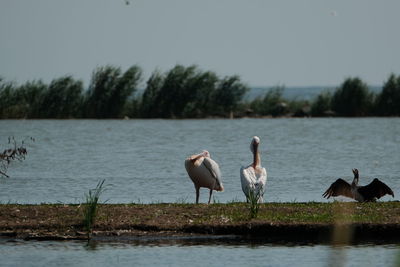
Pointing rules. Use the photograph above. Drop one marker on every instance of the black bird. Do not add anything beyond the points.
(371, 192)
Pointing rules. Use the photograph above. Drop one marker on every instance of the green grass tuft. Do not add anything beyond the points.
(90, 210)
(254, 202)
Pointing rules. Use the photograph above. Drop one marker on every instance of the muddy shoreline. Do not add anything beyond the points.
(341, 223)
(299, 234)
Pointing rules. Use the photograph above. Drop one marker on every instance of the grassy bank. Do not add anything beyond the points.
(275, 221)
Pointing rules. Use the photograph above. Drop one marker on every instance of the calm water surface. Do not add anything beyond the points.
(143, 160)
(30, 253)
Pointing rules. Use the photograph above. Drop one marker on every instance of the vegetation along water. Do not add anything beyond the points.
(184, 92)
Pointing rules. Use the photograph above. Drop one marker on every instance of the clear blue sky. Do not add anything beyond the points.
(292, 43)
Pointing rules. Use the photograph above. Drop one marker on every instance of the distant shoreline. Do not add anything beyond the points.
(189, 92)
(277, 222)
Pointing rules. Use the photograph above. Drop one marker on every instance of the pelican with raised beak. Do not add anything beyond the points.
(254, 176)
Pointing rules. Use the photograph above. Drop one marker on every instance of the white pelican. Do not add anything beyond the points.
(254, 176)
(204, 172)
(371, 192)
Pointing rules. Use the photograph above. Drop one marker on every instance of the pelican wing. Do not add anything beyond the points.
(262, 178)
(247, 180)
(339, 188)
(375, 189)
(261, 181)
(213, 168)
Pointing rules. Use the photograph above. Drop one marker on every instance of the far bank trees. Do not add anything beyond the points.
(184, 92)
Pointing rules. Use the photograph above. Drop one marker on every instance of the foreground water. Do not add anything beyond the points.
(142, 160)
(193, 253)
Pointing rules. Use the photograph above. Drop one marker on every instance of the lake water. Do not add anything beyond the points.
(185, 253)
(143, 161)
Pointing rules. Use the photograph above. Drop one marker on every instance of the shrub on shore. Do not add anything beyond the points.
(388, 101)
(352, 99)
(14, 152)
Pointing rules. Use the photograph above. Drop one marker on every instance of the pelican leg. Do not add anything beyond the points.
(209, 199)
(197, 194)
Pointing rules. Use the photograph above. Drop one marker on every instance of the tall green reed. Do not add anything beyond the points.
(253, 198)
(91, 206)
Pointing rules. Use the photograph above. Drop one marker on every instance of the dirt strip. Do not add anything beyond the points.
(276, 222)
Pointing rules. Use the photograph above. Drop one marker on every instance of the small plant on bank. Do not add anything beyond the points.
(90, 206)
(253, 199)
(16, 152)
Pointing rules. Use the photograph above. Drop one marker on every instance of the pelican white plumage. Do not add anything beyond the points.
(204, 172)
(254, 176)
